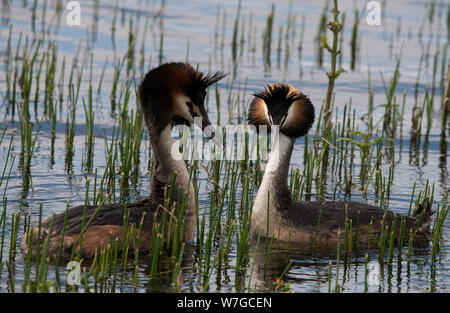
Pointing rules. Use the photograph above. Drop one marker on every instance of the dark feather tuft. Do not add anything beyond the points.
(278, 93)
(279, 98)
(206, 80)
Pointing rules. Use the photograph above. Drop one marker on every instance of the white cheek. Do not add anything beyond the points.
(182, 109)
(266, 112)
(290, 116)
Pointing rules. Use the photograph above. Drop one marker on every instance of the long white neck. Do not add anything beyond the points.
(168, 161)
(273, 193)
(168, 155)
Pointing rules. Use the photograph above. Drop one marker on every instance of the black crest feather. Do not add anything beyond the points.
(273, 95)
(279, 98)
(202, 81)
(195, 88)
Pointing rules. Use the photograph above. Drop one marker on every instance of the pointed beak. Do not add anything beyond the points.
(205, 122)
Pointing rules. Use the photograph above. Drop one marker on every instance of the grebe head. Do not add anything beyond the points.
(175, 93)
(284, 106)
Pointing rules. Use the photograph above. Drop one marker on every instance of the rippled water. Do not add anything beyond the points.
(191, 30)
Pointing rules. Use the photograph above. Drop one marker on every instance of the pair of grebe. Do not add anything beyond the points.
(175, 93)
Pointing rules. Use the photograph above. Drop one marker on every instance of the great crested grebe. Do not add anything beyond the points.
(275, 213)
(170, 93)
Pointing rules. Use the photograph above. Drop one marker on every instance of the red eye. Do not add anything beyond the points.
(190, 105)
